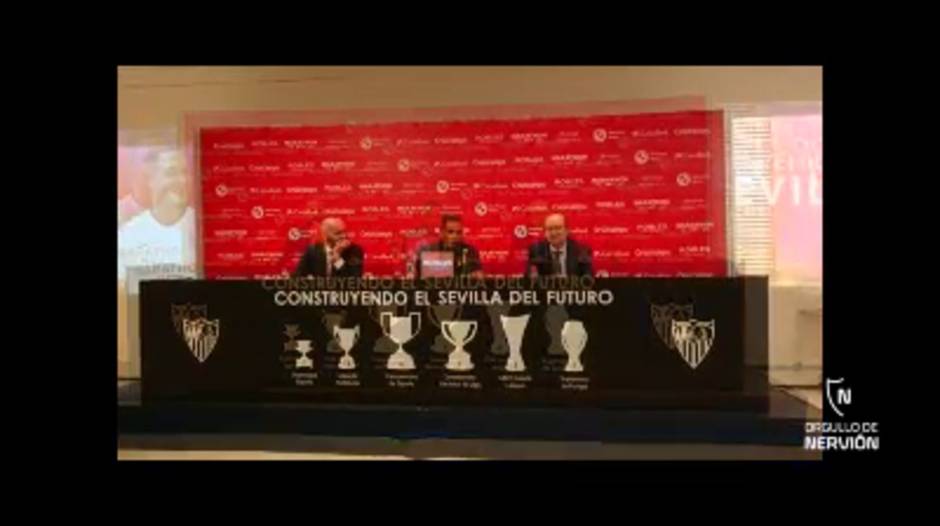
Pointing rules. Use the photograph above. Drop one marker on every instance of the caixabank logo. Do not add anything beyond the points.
(842, 434)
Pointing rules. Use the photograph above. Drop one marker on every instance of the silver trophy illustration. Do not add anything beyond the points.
(574, 338)
(500, 347)
(459, 333)
(304, 347)
(514, 328)
(347, 339)
(439, 314)
(331, 321)
(383, 344)
(401, 329)
(555, 317)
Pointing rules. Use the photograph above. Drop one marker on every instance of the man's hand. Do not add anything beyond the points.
(338, 249)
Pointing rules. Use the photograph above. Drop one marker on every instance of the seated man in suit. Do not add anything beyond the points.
(466, 257)
(558, 255)
(335, 256)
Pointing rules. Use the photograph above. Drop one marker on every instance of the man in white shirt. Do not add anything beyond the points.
(164, 234)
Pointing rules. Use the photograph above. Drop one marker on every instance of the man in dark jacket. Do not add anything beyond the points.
(334, 256)
(557, 254)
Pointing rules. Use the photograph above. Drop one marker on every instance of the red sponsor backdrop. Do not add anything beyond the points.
(646, 192)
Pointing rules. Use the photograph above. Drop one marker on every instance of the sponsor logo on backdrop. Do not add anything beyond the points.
(651, 203)
(228, 146)
(264, 168)
(611, 230)
(300, 144)
(600, 135)
(376, 209)
(264, 144)
(338, 188)
(404, 165)
(530, 208)
(294, 234)
(490, 186)
(376, 234)
(375, 187)
(701, 226)
(230, 233)
(415, 209)
(695, 249)
(652, 228)
(492, 138)
(221, 190)
(641, 157)
(450, 140)
(647, 134)
(691, 131)
(267, 255)
(365, 143)
(603, 274)
(529, 137)
(494, 255)
(227, 169)
(198, 331)
(489, 162)
(693, 155)
(338, 166)
(339, 211)
(231, 256)
(578, 230)
(443, 187)
(257, 212)
(265, 191)
(532, 185)
(451, 164)
(569, 158)
(569, 207)
(301, 190)
(528, 160)
(611, 254)
(413, 232)
(302, 166)
(684, 179)
(652, 253)
(570, 182)
(480, 209)
(611, 204)
(610, 181)
(520, 231)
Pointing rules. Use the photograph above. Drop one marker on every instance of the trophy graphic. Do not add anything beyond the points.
(438, 315)
(383, 344)
(331, 321)
(399, 329)
(347, 339)
(555, 317)
(496, 313)
(304, 347)
(574, 338)
(514, 328)
(459, 333)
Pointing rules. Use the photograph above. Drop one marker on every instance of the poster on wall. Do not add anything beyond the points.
(644, 191)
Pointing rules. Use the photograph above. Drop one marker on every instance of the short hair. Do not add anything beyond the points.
(447, 218)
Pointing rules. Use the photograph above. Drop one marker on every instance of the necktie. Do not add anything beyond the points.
(329, 266)
(556, 262)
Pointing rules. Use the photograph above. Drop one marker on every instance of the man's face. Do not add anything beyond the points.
(335, 233)
(555, 231)
(452, 233)
(168, 189)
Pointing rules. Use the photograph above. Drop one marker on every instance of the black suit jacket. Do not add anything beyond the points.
(578, 259)
(313, 262)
